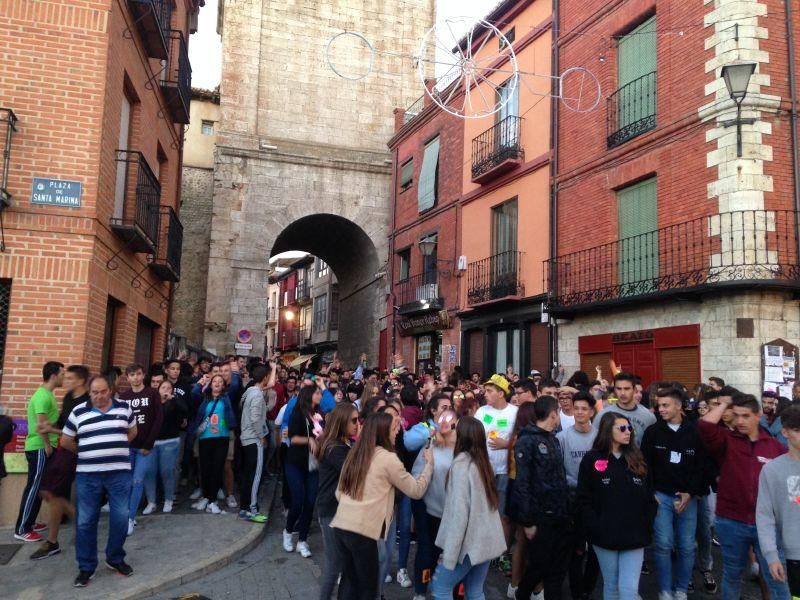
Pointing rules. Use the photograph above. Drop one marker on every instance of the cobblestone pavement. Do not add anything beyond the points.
(270, 573)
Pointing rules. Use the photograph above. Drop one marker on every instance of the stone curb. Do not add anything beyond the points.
(234, 552)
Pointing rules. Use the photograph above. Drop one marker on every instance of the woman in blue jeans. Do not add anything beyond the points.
(470, 534)
(616, 505)
(166, 448)
(302, 469)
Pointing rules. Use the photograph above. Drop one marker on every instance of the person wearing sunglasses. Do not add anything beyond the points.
(616, 505)
(341, 430)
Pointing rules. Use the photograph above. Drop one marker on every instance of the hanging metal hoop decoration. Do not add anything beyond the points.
(361, 39)
(579, 89)
(467, 67)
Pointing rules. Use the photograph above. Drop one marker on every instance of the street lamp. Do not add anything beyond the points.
(737, 78)
(427, 245)
(288, 315)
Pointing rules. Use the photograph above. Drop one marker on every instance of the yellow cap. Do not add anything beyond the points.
(498, 381)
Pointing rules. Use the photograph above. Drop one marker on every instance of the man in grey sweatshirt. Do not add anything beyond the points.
(778, 507)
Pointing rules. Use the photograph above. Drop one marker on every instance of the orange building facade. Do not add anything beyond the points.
(94, 97)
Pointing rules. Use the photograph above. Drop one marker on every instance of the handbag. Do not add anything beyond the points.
(313, 463)
(204, 423)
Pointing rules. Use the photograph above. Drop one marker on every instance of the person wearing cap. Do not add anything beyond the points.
(565, 395)
(498, 417)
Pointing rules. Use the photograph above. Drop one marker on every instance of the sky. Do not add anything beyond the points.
(205, 46)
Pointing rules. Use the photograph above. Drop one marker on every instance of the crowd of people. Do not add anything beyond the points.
(545, 479)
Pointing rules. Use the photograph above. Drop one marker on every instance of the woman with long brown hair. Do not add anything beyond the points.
(366, 503)
(470, 534)
(617, 506)
(333, 446)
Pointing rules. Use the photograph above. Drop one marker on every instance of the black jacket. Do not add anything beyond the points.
(616, 507)
(330, 468)
(540, 490)
(676, 460)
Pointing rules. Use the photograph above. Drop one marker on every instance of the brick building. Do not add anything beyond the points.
(505, 203)
(676, 257)
(96, 95)
(427, 154)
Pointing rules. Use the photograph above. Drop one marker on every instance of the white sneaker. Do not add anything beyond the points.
(220, 495)
(131, 525)
(196, 494)
(511, 592)
(213, 508)
(149, 509)
(681, 596)
(419, 597)
(288, 541)
(105, 508)
(665, 596)
(539, 596)
(200, 504)
(403, 579)
(231, 500)
(167, 506)
(303, 549)
(388, 578)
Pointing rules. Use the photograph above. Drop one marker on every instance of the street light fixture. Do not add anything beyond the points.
(427, 245)
(737, 78)
(288, 315)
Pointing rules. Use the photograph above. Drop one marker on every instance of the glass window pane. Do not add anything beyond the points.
(501, 352)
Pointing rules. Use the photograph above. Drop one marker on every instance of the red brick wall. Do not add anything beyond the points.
(64, 67)
(676, 150)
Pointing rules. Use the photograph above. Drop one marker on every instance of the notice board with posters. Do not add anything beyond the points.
(779, 367)
(14, 451)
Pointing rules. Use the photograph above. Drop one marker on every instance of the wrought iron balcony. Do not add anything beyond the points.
(135, 219)
(8, 125)
(305, 334)
(166, 262)
(153, 19)
(734, 249)
(495, 278)
(413, 110)
(497, 150)
(288, 338)
(632, 110)
(177, 81)
(272, 314)
(419, 294)
(302, 292)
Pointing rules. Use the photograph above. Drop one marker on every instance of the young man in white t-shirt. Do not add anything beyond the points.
(498, 417)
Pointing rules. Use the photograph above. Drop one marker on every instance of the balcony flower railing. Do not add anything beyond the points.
(632, 110)
(137, 224)
(154, 18)
(735, 248)
(167, 258)
(176, 84)
(497, 144)
(422, 289)
(495, 278)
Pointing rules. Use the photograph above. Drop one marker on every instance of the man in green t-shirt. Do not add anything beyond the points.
(42, 409)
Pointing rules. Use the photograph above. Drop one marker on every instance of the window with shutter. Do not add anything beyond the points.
(407, 175)
(601, 359)
(681, 364)
(428, 188)
(638, 235)
(476, 352)
(540, 348)
(635, 98)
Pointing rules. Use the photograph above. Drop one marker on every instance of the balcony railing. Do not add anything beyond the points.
(153, 19)
(136, 223)
(413, 110)
(8, 125)
(272, 314)
(497, 150)
(166, 262)
(742, 248)
(305, 334)
(419, 293)
(177, 82)
(288, 339)
(495, 278)
(632, 110)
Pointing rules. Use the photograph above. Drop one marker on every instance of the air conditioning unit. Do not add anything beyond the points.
(428, 291)
(462, 263)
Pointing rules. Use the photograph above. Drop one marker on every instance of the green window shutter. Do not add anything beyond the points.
(426, 190)
(636, 58)
(638, 232)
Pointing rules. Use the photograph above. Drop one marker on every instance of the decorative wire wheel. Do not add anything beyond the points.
(579, 90)
(468, 55)
(350, 55)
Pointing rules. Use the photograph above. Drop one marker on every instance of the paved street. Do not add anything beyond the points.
(268, 573)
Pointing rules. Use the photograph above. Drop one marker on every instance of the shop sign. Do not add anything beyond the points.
(644, 335)
(56, 192)
(421, 323)
(243, 347)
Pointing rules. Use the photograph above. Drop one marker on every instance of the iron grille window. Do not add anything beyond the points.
(5, 306)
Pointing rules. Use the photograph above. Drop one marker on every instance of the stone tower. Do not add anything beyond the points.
(301, 160)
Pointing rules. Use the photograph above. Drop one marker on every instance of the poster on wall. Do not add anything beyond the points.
(14, 451)
(779, 367)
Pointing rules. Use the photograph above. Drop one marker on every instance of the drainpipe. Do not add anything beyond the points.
(553, 172)
(793, 121)
(390, 266)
